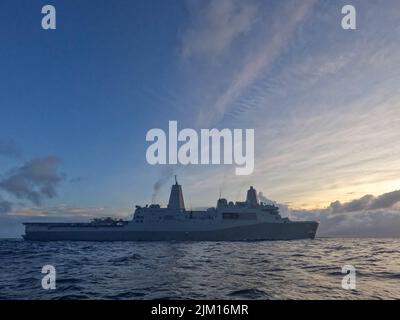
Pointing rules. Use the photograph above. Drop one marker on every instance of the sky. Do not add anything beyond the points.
(76, 104)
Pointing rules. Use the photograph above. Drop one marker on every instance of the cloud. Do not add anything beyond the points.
(367, 202)
(234, 55)
(325, 107)
(9, 149)
(215, 25)
(260, 61)
(35, 181)
(5, 206)
(368, 216)
(367, 223)
(386, 200)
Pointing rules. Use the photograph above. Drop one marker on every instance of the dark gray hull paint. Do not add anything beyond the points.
(264, 231)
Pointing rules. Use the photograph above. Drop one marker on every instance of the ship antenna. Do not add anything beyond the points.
(176, 180)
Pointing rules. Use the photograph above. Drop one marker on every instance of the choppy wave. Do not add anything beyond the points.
(252, 293)
(201, 270)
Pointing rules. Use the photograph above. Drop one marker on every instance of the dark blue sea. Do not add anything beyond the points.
(201, 270)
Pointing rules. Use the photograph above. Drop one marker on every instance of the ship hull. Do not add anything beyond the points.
(257, 232)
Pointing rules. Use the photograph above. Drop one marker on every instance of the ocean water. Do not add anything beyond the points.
(309, 269)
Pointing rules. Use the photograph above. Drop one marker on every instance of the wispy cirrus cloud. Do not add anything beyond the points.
(324, 103)
(260, 61)
(244, 49)
(214, 25)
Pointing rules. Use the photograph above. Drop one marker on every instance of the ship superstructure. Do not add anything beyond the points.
(228, 221)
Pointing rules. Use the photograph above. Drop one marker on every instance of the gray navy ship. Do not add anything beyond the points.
(249, 220)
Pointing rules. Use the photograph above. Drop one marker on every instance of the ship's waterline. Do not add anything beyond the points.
(249, 220)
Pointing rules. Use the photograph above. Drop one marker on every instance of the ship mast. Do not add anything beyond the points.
(176, 197)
